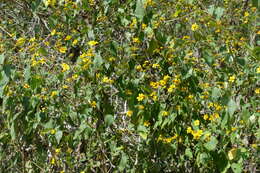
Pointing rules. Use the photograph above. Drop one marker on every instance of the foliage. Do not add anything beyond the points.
(134, 86)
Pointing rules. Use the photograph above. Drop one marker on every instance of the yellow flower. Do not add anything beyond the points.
(92, 43)
(65, 67)
(155, 66)
(65, 86)
(129, 113)
(194, 27)
(52, 161)
(53, 131)
(190, 96)
(63, 49)
(140, 97)
(147, 123)
(75, 76)
(165, 113)
(246, 14)
(144, 26)
(258, 70)
(233, 129)
(257, 91)
(54, 93)
(20, 41)
(57, 150)
(75, 42)
(197, 134)
(141, 107)
(232, 154)
(189, 130)
(107, 80)
(206, 116)
(136, 40)
(134, 22)
(171, 88)
(232, 78)
(68, 37)
(162, 83)
(93, 104)
(26, 86)
(196, 122)
(138, 68)
(53, 32)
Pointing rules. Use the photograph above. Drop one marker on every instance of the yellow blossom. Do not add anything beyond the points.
(197, 134)
(189, 130)
(165, 113)
(65, 86)
(93, 104)
(63, 49)
(129, 113)
(75, 76)
(136, 40)
(232, 154)
(144, 26)
(190, 96)
(246, 14)
(26, 86)
(141, 107)
(147, 123)
(257, 91)
(75, 42)
(233, 129)
(171, 88)
(107, 80)
(232, 78)
(140, 97)
(258, 70)
(206, 116)
(68, 37)
(20, 41)
(92, 43)
(65, 67)
(133, 24)
(196, 122)
(52, 161)
(54, 93)
(138, 68)
(155, 66)
(194, 27)
(53, 32)
(57, 150)
(53, 131)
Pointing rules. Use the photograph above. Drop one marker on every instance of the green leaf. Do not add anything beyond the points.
(236, 167)
(139, 10)
(224, 121)
(216, 93)
(2, 59)
(232, 107)
(212, 144)
(27, 73)
(219, 12)
(109, 119)
(211, 9)
(256, 3)
(123, 162)
(58, 136)
(12, 132)
(143, 135)
(188, 153)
